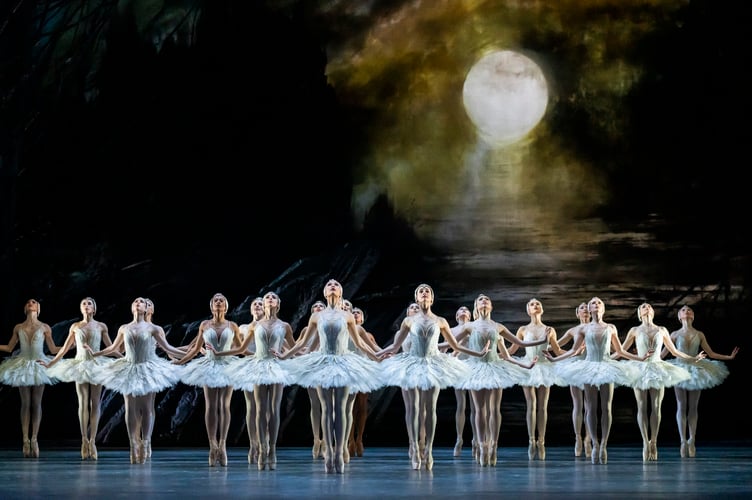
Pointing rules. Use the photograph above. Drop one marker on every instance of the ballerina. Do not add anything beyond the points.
(22, 370)
(333, 370)
(654, 375)
(424, 370)
(578, 409)
(597, 373)
(461, 396)
(81, 369)
(264, 373)
(209, 372)
(492, 373)
(360, 399)
(319, 447)
(705, 373)
(139, 375)
(257, 312)
(540, 378)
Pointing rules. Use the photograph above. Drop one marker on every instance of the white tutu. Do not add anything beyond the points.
(137, 379)
(543, 374)
(207, 370)
(581, 372)
(492, 374)
(80, 371)
(248, 371)
(22, 369)
(263, 368)
(19, 371)
(210, 370)
(597, 368)
(435, 369)
(703, 374)
(141, 371)
(655, 374)
(327, 370)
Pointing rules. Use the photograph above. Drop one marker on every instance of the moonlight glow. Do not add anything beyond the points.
(505, 95)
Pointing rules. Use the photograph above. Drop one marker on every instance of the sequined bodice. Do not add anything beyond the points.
(424, 337)
(139, 346)
(688, 344)
(267, 338)
(597, 342)
(31, 344)
(536, 350)
(91, 336)
(220, 342)
(333, 334)
(481, 334)
(645, 342)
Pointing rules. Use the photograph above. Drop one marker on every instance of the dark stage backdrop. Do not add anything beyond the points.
(175, 151)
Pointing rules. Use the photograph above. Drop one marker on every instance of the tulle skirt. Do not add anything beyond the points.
(543, 374)
(19, 371)
(703, 374)
(655, 374)
(408, 371)
(351, 370)
(581, 372)
(80, 371)
(245, 372)
(207, 371)
(138, 379)
(498, 374)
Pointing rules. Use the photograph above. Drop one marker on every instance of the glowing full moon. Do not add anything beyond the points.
(505, 95)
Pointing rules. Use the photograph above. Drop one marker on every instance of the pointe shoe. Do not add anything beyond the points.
(359, 449)
(691, 451)
(145, 453)
(492, 460)
(475, 451)
(212, 454)
(645, 451)
(262, 456)
(541, 450)
(222, 452)
(415, 458)
(34, 448)
(324, 447)
(350, 448)
(428, 458)
(271, 459)
(587, 442)
(578, 446)
(422, 450)
(135, 452)
(531, 450)
(316, 450)
(483, 460)
(683, 449)
(458, 448)
(595, 454)
(329, 462)
(604, 455)
(93, 449)
(346, 455)
(410, 448)
(84, 449)
(339, 465)
(27, 448)
(653, 450)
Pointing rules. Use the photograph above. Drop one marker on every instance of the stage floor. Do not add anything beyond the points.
(716, 471)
